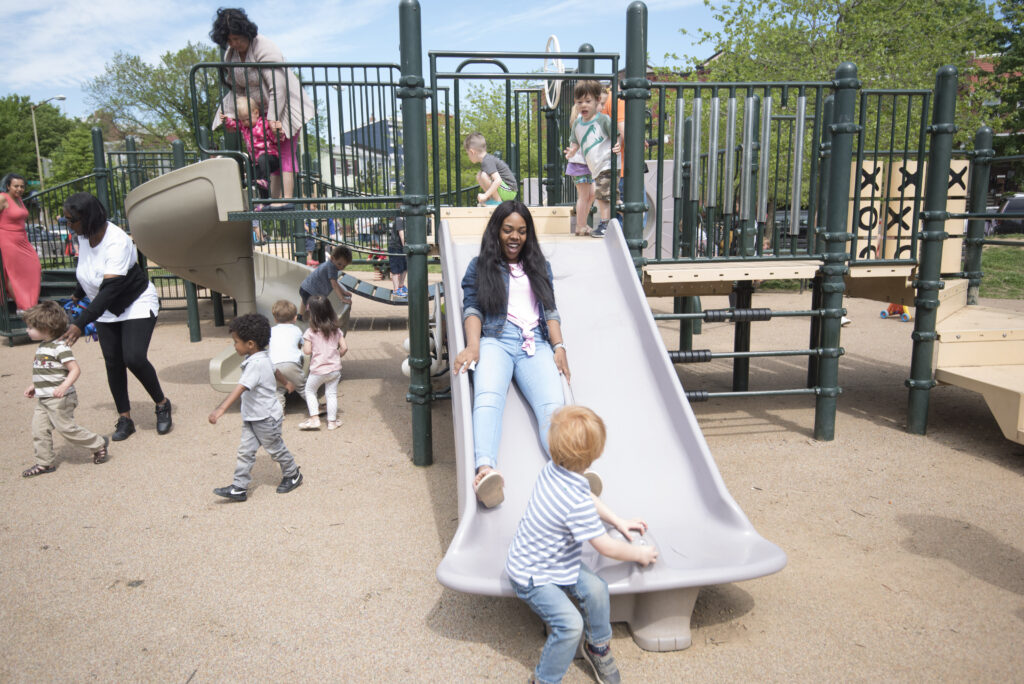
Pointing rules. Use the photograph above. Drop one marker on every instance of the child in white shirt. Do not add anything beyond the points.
(286, 350)
(591, 134)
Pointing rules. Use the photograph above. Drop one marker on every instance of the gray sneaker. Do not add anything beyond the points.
(599, 232)
(603, 665)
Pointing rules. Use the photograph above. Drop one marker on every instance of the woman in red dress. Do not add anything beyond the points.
(22, 270)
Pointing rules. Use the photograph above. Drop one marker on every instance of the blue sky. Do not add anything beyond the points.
(54, 47)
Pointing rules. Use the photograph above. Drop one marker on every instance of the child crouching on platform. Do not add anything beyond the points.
(261, 414)
(543, 561)
(286, 351)
(54, 371)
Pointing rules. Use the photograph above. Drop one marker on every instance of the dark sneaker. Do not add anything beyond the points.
(163, 418)
(124, 429)
(601, 229)
(231, 492)
(289, 483)
(603, 665)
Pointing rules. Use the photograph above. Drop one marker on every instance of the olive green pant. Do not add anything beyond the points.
(53, 413)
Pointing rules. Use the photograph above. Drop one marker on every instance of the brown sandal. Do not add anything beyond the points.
(38, 469)
(101, 455)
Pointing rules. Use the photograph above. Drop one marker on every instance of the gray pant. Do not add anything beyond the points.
(293, 373)
(265, 433)
(58, 413)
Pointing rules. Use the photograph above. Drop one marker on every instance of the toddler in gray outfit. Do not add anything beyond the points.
(261, 413)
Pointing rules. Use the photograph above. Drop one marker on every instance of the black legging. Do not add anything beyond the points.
(125, 346)
(266, 164)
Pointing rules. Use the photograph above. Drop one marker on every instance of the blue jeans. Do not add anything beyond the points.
(501, 359)
(565, 623)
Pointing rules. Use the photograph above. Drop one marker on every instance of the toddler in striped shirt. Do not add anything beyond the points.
(544, 563)
(54, 371)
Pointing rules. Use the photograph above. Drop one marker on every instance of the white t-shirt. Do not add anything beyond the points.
(594, 139)
(285, 343)
(115, 255)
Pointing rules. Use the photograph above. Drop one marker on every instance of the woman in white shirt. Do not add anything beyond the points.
(124, 305)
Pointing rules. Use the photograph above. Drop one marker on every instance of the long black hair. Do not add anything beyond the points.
(231, 21)
(5, 184)
(492, 295)
(84, 207)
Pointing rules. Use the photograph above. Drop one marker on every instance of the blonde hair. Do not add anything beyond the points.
(576, 437)
(476, 141)
(284, 311)
(246, 102)
(48, 317)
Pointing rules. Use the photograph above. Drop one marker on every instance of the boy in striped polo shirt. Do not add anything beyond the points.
(543, 561)
(54, 372)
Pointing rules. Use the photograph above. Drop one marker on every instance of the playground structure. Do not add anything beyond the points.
(747, 161)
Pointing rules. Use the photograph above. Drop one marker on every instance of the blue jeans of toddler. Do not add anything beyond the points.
(565, 623)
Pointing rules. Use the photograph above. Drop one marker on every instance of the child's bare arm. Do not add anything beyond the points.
(342, 345)
(288, 384)
(74, 371)
(226, 404)
(342, 294)
(307, 347)
(30, 391)
(622, 525)
(624, 551)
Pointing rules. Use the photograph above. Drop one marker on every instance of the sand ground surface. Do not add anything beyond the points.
(906, 553)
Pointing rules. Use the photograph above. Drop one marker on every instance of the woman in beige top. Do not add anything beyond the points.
(277, 92)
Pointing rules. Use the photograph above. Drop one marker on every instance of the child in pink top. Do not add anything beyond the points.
(261, 140)
(325, 344)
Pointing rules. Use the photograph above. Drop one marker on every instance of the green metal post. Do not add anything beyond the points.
(836, 235)
(815, 237)
(216, 297)
(980, 167)
(744, 290)
(929, 280)
(100, 168)
(414, 210)
(191, 296)
(553, 169)
(636, 89)
(133, 163)
(683, 236)
(586, 65)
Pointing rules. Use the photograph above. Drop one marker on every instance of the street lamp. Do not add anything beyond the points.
(35, 134)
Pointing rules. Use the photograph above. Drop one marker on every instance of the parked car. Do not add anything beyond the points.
(48, 242)
(1013, 204)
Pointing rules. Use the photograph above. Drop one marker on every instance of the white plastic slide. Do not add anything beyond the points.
(180, 221)
(656, 464)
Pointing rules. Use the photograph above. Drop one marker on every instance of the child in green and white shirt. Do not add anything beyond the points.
(54, 372)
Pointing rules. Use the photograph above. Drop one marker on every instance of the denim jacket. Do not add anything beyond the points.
(493, 324)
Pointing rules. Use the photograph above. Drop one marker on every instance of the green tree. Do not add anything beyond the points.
(894, 45)
(17, 148)
(73, 158)
(1006, 80)
(151, 101)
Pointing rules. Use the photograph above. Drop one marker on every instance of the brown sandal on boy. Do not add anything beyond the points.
(38, 469)
(101, 455)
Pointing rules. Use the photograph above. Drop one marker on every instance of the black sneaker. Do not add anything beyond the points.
(599, 232)
(231, 492)
(124, 429)
(163, 418)
(289, 482)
